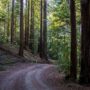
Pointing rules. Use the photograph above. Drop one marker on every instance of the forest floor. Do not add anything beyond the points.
(17, 75)
(28, 56)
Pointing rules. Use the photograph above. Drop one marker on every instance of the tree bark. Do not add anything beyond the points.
(45, 31)
(8, 25)
(85, 42)
(27, 24)
(73, 67)
(31, 44)
(21, 29)
(40, 47)
(12, 22)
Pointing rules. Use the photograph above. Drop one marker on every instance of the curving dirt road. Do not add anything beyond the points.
(30, 78)
(35, 77)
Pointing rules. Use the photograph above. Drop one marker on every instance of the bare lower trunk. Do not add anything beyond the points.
(21, 29)
(12, 22)
(8, 25)
(45, 30)
(85, 42)
(31, 44)
(27, 25)
(40, 47)
(73, 67)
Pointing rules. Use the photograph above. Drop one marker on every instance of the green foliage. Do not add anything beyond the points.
(59, 47)
(58, 34)
(2, 39)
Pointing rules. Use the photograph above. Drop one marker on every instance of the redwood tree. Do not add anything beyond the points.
(21, 29)
(40, 47)
(12, 22)
(27, 24)
(31, 44)
(45, 30)
(8, 23)
(73, 68)
(85, 42)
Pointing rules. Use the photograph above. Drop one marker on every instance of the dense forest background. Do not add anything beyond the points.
(58, 27)
(55, 30)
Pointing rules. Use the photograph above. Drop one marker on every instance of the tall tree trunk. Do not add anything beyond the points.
(21, 29)
(15, 25)
(73, 68)
(4, 29)
(45, 30)
(8, 25)
(12, 22)
(85, 42)
(31, 44)
(40, 47)
(27, 24)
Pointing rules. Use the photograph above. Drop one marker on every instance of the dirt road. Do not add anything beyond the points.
(35, 77)
(30, 78)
